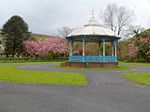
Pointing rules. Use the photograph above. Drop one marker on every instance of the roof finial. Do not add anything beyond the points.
(92, 13)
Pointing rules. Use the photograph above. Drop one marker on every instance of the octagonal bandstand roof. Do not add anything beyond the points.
(93, 28)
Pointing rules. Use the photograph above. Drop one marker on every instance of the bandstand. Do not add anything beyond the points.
(93, 32)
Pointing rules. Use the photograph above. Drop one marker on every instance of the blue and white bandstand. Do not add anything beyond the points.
(93, 32)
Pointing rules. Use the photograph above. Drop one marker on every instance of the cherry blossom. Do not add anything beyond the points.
(55, 45)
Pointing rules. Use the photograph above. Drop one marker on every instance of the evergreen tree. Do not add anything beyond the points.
(15, 32)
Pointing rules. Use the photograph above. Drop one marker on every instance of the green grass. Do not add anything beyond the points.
(9, 73)
(32, 63)
(29, 61)
(141, 64)
(138, 78)
(115, 68)
(136, 64)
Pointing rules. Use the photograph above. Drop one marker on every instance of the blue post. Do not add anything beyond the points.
(114, 49)
(103, 39)
(71, 47)
(83, 49)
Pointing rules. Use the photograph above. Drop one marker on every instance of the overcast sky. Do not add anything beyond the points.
(46, 16)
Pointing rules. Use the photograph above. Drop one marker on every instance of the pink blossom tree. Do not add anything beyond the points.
(144, 47)
(32, 47)
(133, 51)
(55, 45)
(78, 51)
(141, 48)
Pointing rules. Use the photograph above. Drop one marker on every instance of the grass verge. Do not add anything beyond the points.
(9, 73)
(115, 68)
(135, 64)
(30, 61)
(138, 78)
(141, 64)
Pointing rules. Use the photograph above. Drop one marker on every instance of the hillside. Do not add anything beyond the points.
(123, 46)
(40, 36)
(33, 35)
(0, 35)
(36, 36)
(0, 38)
(146, 33)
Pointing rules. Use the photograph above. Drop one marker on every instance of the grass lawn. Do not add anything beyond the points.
(136, 64)
(138, 78)
(27, 61)
(115, 68)
(9, 73)
(141, 64)
(30, 62)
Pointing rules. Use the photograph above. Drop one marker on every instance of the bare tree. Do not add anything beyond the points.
(109, 15)
(64, 31)
(117, 18)
(124, 18)
(134, 30)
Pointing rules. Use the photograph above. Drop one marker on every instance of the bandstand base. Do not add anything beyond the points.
(90, 64)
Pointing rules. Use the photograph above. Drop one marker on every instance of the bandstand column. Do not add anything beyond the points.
(115, 48)
(104, 47)
(112, 44)
(71, 47)
(83, 47)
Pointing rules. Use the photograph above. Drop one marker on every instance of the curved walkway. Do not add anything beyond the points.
(95, 77)
(107, 92)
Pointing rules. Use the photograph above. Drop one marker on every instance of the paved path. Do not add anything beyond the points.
(107, 92)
